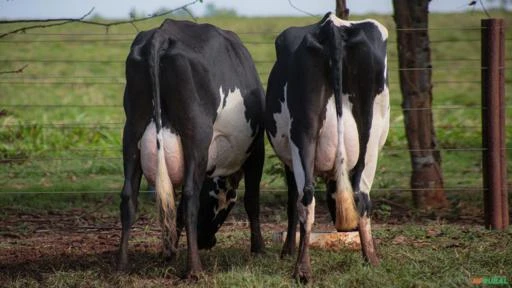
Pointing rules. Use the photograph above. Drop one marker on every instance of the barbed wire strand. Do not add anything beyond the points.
(32, 41)
(48, 34)
(397, 189)
(65, 173)
(266, 61)
(89, 83)
(119, 106)
(33, 77)
(81, 158)
(63, 125)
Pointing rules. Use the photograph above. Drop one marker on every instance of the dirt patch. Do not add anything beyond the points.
(34, 244)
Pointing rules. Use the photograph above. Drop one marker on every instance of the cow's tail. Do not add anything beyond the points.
(163, 185)
(347, 217)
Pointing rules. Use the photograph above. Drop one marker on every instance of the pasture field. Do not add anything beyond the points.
(61, 171)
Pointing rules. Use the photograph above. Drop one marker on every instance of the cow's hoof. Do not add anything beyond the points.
(289, 248)
(258, 248)
(364, 204)
(287, 252)
(259, 252)
(169, 256)
(303, 276)
(257, 245)
(372, 259)
(122, 268)
(169, 250)
(122, 264)
(302, 273)
(193, 276)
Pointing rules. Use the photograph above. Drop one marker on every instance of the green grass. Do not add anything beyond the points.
(434, 255)
(50, 143)
(88, 132)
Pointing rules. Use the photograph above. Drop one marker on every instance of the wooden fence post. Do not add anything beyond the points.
(341, 9)
(493, 124)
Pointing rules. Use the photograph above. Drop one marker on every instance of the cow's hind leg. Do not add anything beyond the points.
(367, 243)
(129, 194)
(195, 172)
(363, 179)
(289, 244)
(253, 169)
(191, 208)
(306, 211)
(303, 149)
(180, 221)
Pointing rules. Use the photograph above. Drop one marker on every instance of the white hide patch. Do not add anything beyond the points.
(284, 147)
(281, 141)
(328, 137)
(350, 133)
(298, 169)
(231, 135)
(173, 153)
(385, 69)
(222, 201)
(340, 22)
(306, 214)
(378, 135)
(221, 196)
(311, 215)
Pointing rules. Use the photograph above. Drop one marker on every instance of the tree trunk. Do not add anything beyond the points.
(341, 9)
(411, 18)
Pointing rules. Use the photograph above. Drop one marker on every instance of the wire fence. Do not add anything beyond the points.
(13, 84)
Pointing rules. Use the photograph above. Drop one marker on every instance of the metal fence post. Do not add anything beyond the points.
(493, 124)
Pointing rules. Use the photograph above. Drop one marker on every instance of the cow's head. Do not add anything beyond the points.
(218, 196)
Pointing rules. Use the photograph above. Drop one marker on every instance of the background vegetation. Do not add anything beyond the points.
(60, 150)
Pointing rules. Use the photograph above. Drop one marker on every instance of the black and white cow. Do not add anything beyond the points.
(194, 117)
(327, 114)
